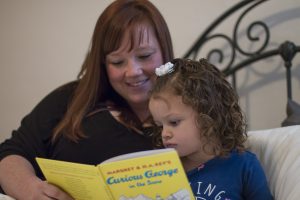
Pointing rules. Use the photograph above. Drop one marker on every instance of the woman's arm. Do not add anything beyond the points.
(18, 179)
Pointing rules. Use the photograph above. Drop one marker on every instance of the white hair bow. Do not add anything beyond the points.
(164, 69)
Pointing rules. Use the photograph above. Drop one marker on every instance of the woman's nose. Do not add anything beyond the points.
(134, 68)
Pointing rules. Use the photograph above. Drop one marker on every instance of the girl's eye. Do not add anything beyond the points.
(174, 122)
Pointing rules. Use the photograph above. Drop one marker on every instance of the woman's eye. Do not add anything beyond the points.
(116, 63)
(145, 56)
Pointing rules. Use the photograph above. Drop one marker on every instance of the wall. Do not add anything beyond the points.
(43, 44)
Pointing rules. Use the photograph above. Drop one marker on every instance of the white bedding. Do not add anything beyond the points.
(5, 197)
(279, 152)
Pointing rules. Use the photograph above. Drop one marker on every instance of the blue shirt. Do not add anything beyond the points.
(239, 176)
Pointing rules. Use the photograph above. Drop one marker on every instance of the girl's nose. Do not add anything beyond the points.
(166, 134)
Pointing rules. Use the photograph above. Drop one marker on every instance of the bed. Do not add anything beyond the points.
(277, 146)
(253, 59)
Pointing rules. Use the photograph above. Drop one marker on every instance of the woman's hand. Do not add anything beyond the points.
(42, 190)
(18, 180)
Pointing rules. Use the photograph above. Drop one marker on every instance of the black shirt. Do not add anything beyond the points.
(106, 137)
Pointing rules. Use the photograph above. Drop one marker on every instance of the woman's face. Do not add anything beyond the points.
(131, 72)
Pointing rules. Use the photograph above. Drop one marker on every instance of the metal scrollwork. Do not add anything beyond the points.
(250, 29)
(219, 51)
(232, 41)
(287, 50)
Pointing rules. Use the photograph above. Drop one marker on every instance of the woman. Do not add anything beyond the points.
(102, 114)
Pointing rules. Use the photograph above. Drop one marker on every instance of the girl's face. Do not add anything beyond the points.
(178, 124)
(131, 73)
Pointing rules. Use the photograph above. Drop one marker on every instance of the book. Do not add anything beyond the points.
(146, 175)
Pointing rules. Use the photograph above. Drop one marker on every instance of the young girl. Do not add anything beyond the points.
(198, 114)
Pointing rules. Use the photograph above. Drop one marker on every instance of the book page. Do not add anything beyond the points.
(81, 181)
(138, 154)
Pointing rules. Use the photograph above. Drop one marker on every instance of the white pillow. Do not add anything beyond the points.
(279, 153)
(5, 197)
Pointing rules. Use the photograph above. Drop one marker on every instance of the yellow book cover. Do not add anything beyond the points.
(146, 175)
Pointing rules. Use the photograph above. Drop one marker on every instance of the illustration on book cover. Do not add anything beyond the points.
(181, 194)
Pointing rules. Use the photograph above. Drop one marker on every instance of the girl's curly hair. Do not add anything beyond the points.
(204, 87)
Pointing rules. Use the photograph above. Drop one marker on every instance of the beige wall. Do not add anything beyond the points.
(43, 43)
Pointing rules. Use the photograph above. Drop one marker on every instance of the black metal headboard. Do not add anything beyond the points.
(286, 50)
